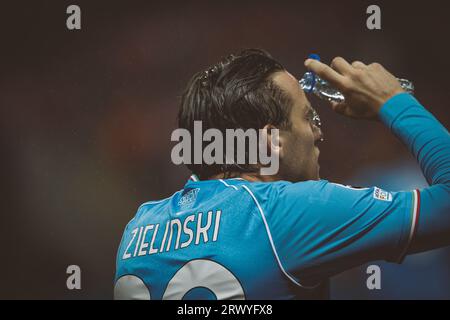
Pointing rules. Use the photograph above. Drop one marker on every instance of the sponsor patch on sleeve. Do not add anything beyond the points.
(382, 194)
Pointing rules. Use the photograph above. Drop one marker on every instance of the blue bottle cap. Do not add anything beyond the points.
(314, 56)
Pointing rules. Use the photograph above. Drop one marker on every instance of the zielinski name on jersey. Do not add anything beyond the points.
(158, 238)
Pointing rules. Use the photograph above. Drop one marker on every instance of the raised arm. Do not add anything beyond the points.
(371, 92)
(322, 228)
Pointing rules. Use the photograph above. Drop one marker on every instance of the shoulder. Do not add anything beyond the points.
(286, 188)
(152, 206)
(278, 194)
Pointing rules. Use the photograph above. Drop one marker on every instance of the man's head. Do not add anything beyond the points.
(251, 90)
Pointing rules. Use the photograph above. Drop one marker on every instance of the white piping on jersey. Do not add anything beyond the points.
(194, 178)
(415, 214)
(226, 184)
(273, 245)
(348, 187)
(413, 227)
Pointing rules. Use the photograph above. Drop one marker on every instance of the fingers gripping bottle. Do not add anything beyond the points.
(311, 83)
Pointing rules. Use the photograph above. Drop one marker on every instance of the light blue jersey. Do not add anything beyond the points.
(235, 239)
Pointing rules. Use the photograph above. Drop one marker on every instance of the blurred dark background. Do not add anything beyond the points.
(86, 118)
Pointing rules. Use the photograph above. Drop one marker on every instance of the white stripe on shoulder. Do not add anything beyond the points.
(347, 187)
(229, 186)
(272, 243)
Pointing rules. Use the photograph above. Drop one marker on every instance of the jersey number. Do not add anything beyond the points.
(195, 273)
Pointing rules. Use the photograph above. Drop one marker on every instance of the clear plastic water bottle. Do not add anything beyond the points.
(310, 82)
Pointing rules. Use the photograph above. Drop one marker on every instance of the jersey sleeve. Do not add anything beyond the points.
(321, 228)
(429, 142)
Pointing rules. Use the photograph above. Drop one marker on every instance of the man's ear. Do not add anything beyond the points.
(273, 140)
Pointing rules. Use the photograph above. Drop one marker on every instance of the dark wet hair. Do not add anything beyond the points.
(237, 92)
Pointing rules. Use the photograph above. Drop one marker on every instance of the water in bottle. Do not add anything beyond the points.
(310, 82)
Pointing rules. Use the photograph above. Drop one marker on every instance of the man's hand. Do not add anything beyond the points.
(365, 87)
